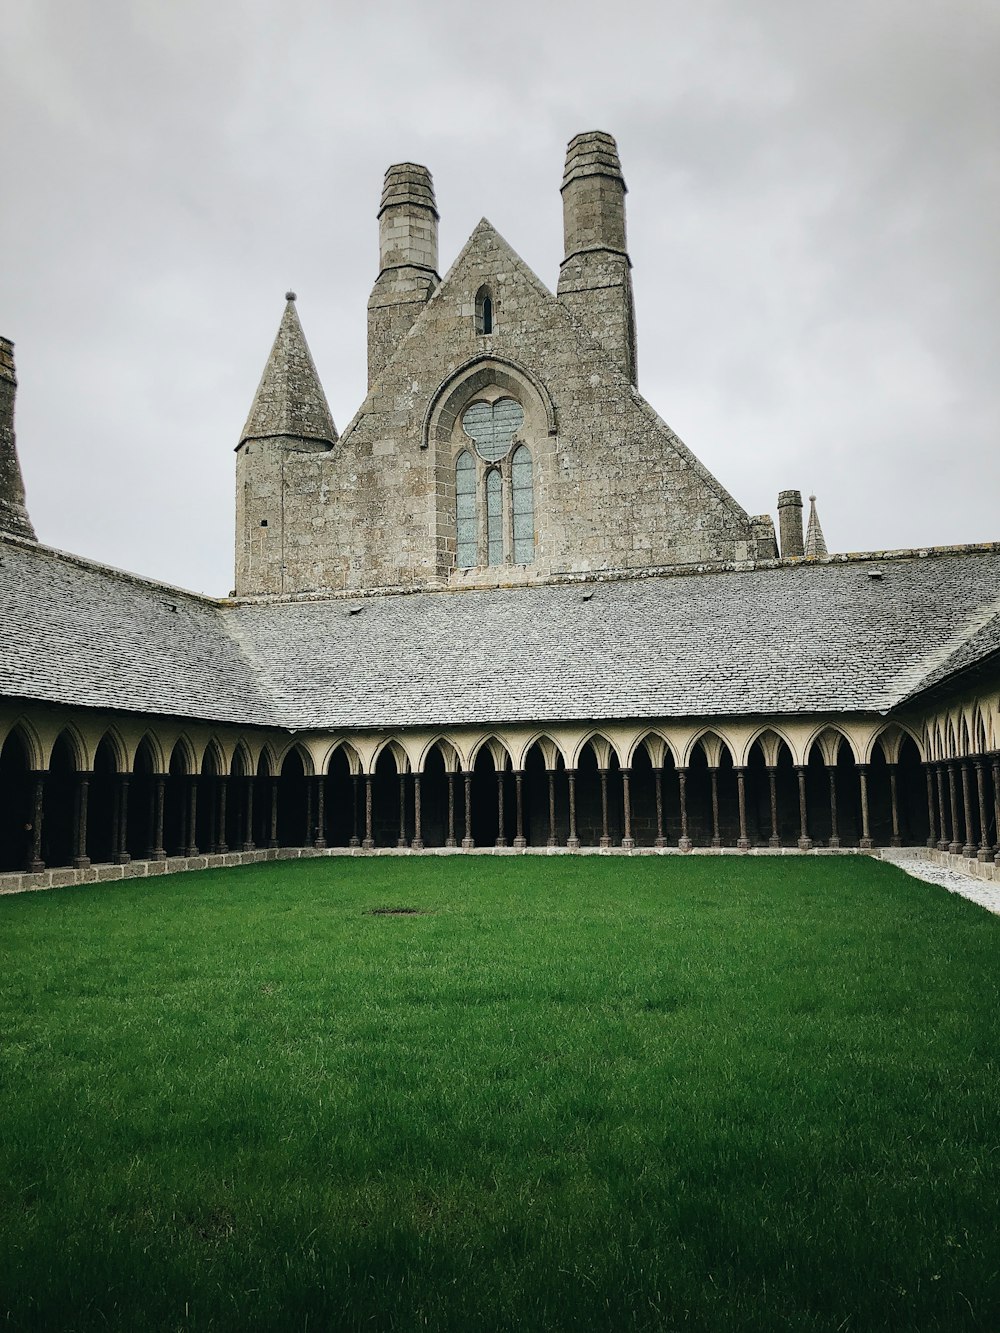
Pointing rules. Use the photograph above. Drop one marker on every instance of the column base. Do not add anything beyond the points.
(551, 842)
(743, 844)
(984, 854)
(123, 858)
(573, 844)
(968, 850)
(628, 844)
(684, 844)
(367, 844)
(319, 844)
(954, 848)
(35, 866)
(273, 842)
(156, 854)
(716, 843)
(834, 844)
(941, 845)
(81, 862)
(500, 842)
(401, 843)
(805, 844)
(659, 842)
(468, 844)
(351, 842)
(220, 850)
(866, 844)
(520, 844)
(931, 844)
(604, 842)
(417, 845)
(252, 847)
(450, 842)
(895, 842)
(774, 842)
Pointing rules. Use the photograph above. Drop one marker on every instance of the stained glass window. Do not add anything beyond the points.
(493, 426)
(466, 542)
(494, 517)
(524, 506)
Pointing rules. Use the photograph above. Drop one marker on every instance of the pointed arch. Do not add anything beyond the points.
(499, 752)
(267, 764)
(182, 756)
(450, 756)
(392, 747)
(602, 747)
(771, 741)
(712, 744)
(212, 761)
(657, 747)
(149, 745)
(351, 756)
(549, 748)
(485, 310)
(112, 744)
(305, 758)
(71, 738)
(240, 765)
(828, 736)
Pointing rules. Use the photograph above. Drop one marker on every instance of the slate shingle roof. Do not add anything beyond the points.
(808, 638)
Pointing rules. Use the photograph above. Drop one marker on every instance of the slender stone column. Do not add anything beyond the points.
(895, 840)
(273, 838)
(660, 840)
(354, 840)
(80, 858)
(714, 778)
(805, 842)
(520, 842)
(605, 834)
(501, 836)
(467, 841)
(401, 840)
(35, 862)
(743, 845)
(931, 808)
(834, 825)
(248, 842)
(628, 842)
(192, 820)
(212, 841)
(450, 841)
(968, 847)
(157, 852)
(996, 804)
(573, 841)
(221, 845)
(866, 843)
(684, 842)
(417, 845)
(985, 850)
(552, 808)
(121, 855)
(943, 841)
(772, 781)
(368, 842)
(320, 840)
(954, 846)
(309, 812)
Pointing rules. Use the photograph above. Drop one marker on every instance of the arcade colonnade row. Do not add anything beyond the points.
(82, 788)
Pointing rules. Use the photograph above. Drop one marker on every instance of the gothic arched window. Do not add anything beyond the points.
(466, 537)
(523, 505)
(484, 311)
(494, 517)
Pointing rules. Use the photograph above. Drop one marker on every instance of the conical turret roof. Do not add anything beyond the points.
(815, 542)
(290, 399)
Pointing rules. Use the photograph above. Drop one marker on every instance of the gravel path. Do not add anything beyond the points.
(955, 881)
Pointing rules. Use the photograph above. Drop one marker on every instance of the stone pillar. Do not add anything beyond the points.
(605, 834)
(743, 844)
(834, 826)
(943, 841)
(628, 842)
(713, 774)
(684, 842)
(772, 781)
(320, 840)
(121, 855)
(954, 847)
(968, 845)
(417, 845)
(985, 849)
(157, 852)
(895, 840)
(450, 840)
(501, 837)
(192, 820)
(401, 841)
(805, 842)
(931, 808)
(552, 808)
(248, 842)
(35, 862)
(222, 794)
(573, 841)
(354, 840)
(309, 812)
(660, 840)
(467, 840)
(80, 858)
(273, 838)
(520, 842)
(866, 843)
(996, 804)
(368, 842)
(790, 524)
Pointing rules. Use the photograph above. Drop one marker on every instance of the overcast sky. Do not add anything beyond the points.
(813, 213)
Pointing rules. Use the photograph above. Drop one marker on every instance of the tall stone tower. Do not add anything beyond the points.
(408, 260)
(13, 514)
(595, 278)
(289, 416)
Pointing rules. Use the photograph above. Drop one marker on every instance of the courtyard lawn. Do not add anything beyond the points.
(566, 1093)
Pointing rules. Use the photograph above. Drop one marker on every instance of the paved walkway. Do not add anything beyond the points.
(955, 881)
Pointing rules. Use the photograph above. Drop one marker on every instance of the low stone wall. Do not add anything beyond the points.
(967, 865)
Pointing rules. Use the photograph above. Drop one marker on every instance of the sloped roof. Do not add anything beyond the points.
(816, 637)
(290, 399)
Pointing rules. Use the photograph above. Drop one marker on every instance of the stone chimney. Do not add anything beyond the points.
(408, 260)
(595, 279)
(790, 523)
(13, 514)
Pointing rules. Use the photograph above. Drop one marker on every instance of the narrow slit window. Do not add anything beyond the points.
(494, 517)
(522, 489)
(484, 311)
(466, 541)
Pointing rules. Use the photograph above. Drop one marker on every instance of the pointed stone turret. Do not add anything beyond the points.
(408, 260)
(815, 542)
(290, 401)
(13, 515)
(289, 417)
(595, 279)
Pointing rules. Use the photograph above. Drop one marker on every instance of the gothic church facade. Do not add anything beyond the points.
(505, 608)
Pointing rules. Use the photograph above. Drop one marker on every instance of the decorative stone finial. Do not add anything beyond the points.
(289, 296)
(815, 541)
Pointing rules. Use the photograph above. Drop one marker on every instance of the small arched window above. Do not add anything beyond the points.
(484, 310)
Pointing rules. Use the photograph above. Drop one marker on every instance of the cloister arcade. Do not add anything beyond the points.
(82, 789)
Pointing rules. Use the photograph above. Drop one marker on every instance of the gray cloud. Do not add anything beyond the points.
(813, 212)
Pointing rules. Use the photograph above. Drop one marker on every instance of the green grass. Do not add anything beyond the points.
(572, 1094)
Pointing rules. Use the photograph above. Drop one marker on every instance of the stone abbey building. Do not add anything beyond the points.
(505, 608)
